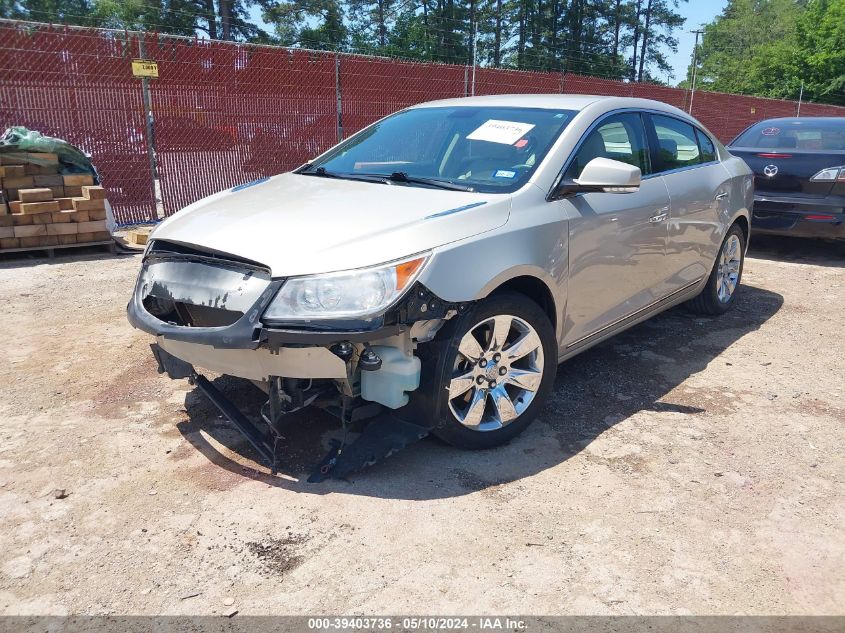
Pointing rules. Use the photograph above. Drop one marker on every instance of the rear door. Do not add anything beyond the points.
(697, 183)
(617, 241)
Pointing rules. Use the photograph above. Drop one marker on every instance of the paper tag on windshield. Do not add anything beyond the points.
(504, 132)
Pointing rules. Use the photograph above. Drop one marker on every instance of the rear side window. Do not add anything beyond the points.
(618, 137)
(708, 151)
(677, 145)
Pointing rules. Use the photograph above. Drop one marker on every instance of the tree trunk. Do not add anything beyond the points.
(472, 27)
(553, 26)
(520, 44)
(497, 43)
(226, 19)
(616, 27)
(576, 30)
(382, 31)
(636, 39)
(211, 16)
(644, 49)
(426, 31)
(441, 36)
(537, 35)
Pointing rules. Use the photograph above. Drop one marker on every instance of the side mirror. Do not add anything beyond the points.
(603, 175)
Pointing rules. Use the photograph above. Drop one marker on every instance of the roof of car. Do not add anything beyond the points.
(551, 101)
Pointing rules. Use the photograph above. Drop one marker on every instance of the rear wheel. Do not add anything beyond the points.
(489, 372)
(719, 293)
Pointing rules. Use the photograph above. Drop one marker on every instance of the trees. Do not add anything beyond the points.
(228, 19)
(820, 36)
(609, 38)
(768, 47)
(314, 24)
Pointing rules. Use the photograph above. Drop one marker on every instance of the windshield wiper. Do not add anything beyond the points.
(396, 176)
(401, 176)
(322, 172)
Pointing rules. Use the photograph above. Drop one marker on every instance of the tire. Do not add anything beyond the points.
(448, 357)
(721, 289)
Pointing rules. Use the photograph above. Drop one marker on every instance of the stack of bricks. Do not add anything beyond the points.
(43, 208)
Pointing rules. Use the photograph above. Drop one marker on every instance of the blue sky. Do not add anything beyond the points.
(697, 12)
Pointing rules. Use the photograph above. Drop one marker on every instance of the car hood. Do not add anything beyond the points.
(302, 225)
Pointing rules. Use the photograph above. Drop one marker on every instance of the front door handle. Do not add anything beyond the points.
(660, 215)
(722, 196)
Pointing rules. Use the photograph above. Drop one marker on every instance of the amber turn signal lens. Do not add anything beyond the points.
(406, 271)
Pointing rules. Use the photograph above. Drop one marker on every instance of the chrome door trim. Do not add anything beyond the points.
(634, 314)
(639, 111)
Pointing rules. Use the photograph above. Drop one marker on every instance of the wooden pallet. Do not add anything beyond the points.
(51, 250)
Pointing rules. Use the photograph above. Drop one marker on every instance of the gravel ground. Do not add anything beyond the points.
(690, 465)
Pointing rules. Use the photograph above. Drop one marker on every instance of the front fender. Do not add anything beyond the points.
(472, 269)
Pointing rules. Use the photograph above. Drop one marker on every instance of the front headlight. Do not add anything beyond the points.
(353, 294)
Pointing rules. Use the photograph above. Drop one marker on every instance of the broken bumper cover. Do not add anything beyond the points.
(382, 437)
(247, 347)
(208, 314)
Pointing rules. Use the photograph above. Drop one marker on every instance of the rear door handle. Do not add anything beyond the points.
(660, 215)
(722, 196)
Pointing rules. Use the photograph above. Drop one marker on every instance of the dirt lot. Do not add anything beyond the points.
(691, 465)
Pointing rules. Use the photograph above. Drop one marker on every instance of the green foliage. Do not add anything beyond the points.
(767, 47)
(609, 38)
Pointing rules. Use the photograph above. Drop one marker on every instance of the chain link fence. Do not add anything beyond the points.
(224, 113)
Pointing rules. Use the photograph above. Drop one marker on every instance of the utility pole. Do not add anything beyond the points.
(474, 47)
(800, 97)
(694, 68)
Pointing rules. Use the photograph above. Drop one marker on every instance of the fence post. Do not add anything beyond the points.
(337, 94)
(466, 81)
(148, 123)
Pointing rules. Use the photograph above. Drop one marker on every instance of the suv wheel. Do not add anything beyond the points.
(488, 375)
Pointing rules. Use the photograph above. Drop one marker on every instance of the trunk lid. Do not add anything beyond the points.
(779, 172)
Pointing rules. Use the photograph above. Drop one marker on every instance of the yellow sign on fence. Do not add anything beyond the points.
(144, 68)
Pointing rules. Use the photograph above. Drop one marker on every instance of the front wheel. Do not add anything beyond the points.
(489, 372)
(718, 295)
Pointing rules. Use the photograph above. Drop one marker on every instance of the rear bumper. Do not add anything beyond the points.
(799, 217)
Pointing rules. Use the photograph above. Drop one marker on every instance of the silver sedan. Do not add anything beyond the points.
(439, 264)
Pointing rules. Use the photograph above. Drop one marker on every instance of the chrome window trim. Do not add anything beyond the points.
(640, 111)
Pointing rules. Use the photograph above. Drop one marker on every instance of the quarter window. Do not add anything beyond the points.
(619, 137)
(708, 151)
(677, 145)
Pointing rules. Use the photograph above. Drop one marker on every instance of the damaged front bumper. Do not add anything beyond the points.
(384, 435)
(206, 311)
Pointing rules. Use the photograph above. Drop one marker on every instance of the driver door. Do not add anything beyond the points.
(617, 241)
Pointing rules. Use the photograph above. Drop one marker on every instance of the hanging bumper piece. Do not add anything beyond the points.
(383, 435)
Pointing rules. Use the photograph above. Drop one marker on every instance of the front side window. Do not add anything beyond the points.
(491, 149)
(618, 137)
(677, 145)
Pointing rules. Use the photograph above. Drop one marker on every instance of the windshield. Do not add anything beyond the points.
(483, 148)
(801, 134)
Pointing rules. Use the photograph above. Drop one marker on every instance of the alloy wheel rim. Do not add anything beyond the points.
(730, 260)
(497, 372)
